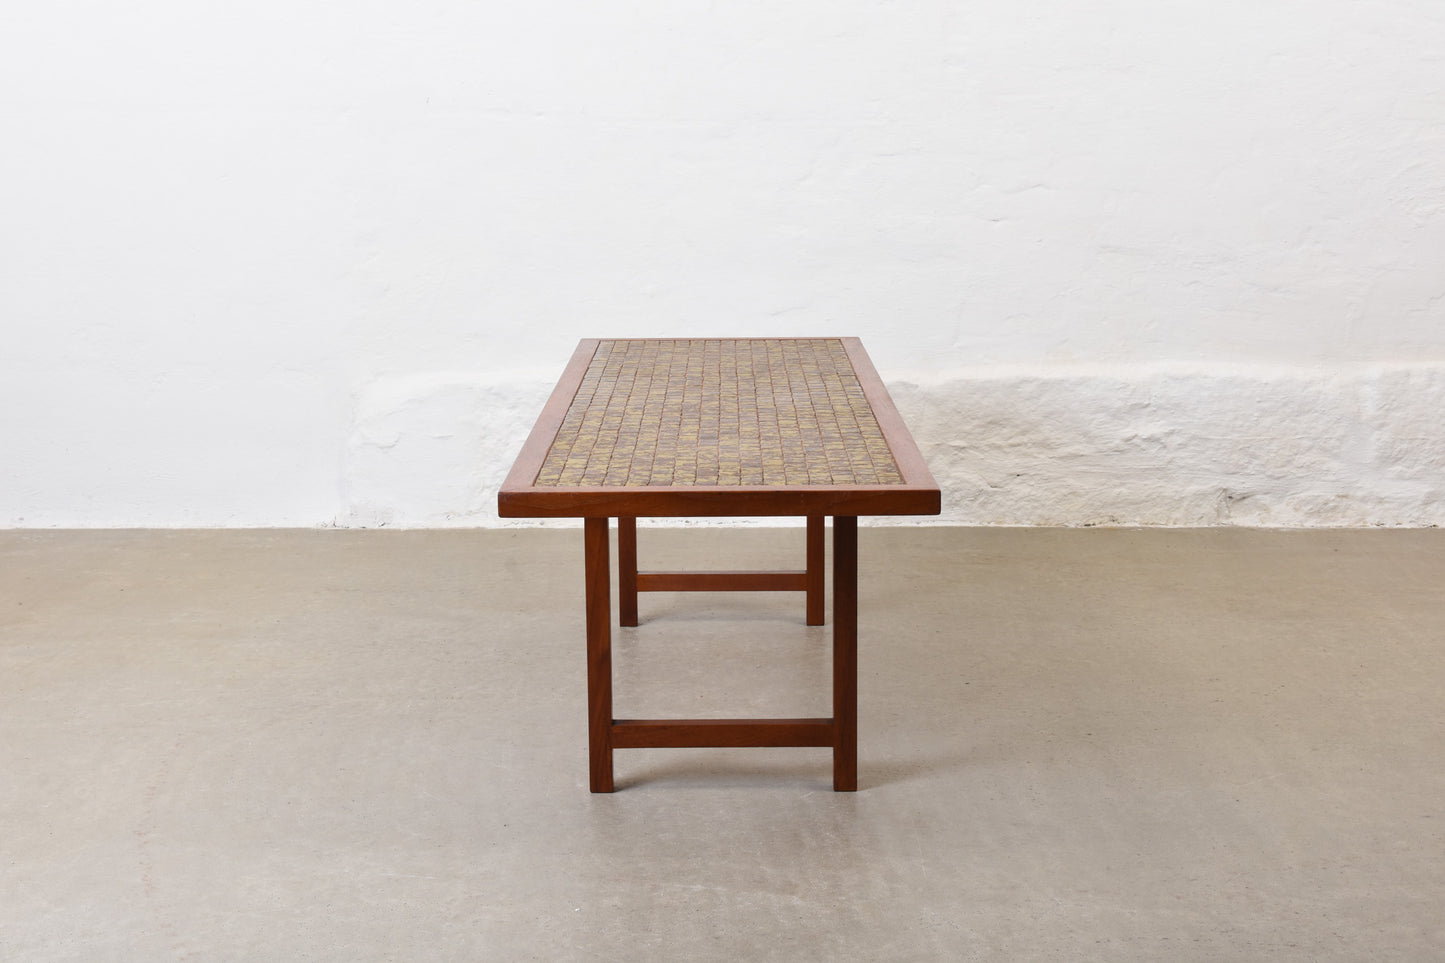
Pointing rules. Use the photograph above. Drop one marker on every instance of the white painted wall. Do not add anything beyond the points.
(307, 263)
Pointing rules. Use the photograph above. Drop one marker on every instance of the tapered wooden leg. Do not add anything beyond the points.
(627, 571)
(845, 654)
(815, 570)
(599, 655)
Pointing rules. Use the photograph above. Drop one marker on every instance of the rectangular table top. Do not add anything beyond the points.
(762, 426)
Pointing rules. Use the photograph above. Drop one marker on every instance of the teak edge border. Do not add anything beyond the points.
(520, 498)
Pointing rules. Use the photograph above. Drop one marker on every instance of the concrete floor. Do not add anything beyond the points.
(1075, 745)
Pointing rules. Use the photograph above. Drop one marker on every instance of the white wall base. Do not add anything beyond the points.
(1161, 445)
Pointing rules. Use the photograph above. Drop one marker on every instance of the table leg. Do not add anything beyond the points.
(627, 571)
(845, 654)
(599, 655)
(815, 570)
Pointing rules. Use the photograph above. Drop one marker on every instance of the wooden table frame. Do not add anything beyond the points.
(840, 731)
(917, 494)
(630, 581)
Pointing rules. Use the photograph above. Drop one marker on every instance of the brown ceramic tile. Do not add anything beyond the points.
(768, 412)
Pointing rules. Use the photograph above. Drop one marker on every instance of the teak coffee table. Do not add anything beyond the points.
(731, 427)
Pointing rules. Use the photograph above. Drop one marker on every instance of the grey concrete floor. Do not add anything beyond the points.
(1075, 745)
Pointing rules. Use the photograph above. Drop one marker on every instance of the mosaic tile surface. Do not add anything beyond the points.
(719, 412)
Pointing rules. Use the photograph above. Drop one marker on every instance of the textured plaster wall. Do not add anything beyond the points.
(1156, 444)
(1126, 262)
(1186, 445)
